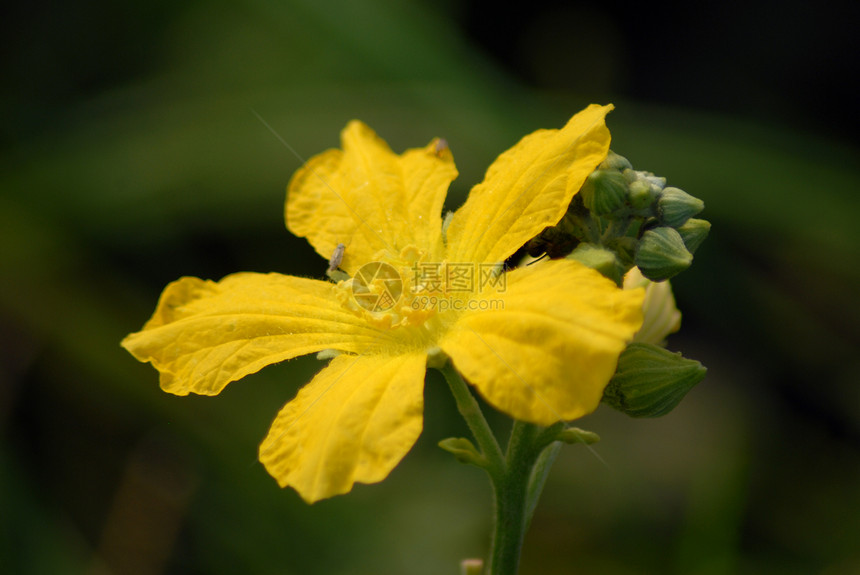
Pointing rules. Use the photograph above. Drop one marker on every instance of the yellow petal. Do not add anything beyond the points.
(544, 348)
(204, 334)
(528, 188)
(369, 198)
(353, 423)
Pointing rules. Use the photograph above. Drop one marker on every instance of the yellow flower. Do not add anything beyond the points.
(539, 343)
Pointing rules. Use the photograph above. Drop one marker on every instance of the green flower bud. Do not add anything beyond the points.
(694, 232)
(604, 191)
(600, 259)
(615, 161)
(657, 182)
(661, 254)
(676, 206)
(650, 381)
(641, 196)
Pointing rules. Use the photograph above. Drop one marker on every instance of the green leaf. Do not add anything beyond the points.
(577, 436)
(463, 450)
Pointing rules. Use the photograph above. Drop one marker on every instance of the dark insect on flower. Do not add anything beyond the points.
(553, 242)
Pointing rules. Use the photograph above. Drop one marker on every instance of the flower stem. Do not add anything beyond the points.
(471, 412)
(517, 476)
(512, 506)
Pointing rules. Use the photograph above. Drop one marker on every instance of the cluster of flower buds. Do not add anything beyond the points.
(624, 217)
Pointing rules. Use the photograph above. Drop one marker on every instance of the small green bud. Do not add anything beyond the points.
(650, 381)
(661, 254)
(694, 232)
(604, 191)
(615, 161)
(676, 206)
(463, 450)
(600, 259)
(641, 196)
(657, 182)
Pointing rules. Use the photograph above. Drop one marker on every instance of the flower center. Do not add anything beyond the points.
(402, 292)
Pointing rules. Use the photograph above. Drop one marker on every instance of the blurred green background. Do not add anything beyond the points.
(131, 155)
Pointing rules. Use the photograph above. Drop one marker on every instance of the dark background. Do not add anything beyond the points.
(131, 155)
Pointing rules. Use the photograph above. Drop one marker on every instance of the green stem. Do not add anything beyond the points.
(471, 412)
(517, 476)
(512, 508)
